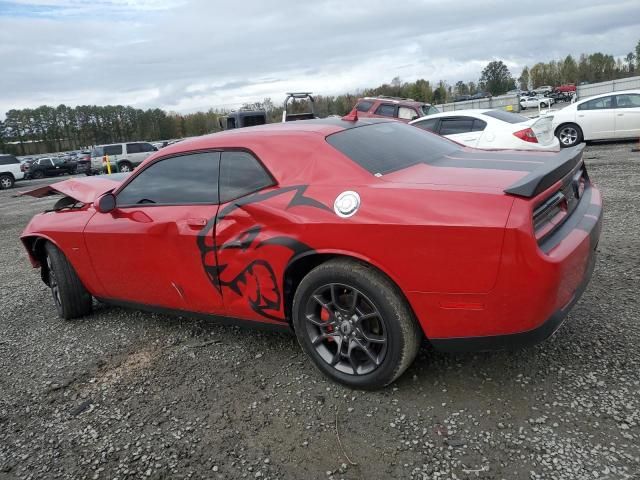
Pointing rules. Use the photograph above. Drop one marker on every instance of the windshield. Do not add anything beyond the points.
(97, 152)
(508, 117)
(429, 110)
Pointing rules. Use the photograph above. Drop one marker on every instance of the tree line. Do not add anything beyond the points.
(51, 129)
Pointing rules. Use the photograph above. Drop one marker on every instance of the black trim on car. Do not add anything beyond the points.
(282, 326)
(522, 339)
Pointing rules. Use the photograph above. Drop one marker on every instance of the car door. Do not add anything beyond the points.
(252, 247)
(627, 115)
(157, 246)
(596, 118)
(461, 129)
(47, 166)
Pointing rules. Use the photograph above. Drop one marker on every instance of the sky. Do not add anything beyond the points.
(190, 55)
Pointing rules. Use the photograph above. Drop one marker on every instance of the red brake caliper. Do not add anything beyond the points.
(324, 316)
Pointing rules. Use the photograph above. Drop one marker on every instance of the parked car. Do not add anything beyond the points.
(479, 95)
(123, 157)
(492, 129)
(543, 89)
(10, 171)
(266, 224)
(614, 115)
(567, 88)
(403, 109)
(462, 98)
(535, 102)
(83, 160)
(48, 167)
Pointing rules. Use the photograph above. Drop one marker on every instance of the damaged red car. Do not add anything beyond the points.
(365, 237)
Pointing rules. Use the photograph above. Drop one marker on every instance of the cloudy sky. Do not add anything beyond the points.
(187, 55)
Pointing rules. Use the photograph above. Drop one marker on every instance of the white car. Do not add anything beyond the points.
(535, 102)
(10, 171)
(614, 115)
(543, 89)
(492, 129)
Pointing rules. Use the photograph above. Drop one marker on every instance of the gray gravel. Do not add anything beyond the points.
(124, 394)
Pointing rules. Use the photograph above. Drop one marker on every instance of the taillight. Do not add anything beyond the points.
(527, 135)
(549, 215)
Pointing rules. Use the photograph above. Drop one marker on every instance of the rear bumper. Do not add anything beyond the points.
(537, 286)
(521, 339)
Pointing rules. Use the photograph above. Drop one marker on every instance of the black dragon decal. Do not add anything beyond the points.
(256, 281)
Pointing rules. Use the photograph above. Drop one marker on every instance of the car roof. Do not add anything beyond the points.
(455, 113)
(395, 100)
(600, 95)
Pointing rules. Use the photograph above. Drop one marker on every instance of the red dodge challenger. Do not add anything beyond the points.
(364, 236)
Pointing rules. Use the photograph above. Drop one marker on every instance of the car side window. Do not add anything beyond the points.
(147, 147)
(430, 125)
(628, 100)
(8, 160)
(597, 104)
(134, 148)
(364, 106)
(386, 110)
(112, 149)
(478, 125)
(451, 126)
(407, 113)
(241, 174)
(189, 179)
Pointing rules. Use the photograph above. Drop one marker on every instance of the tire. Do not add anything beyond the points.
(347, 301)
(6, 181)
(543, 105)
(38, 174)
(522, 107)
(125, 167)
(569, 135)
(72, 300)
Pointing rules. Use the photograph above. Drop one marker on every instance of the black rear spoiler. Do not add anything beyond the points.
(554, 169)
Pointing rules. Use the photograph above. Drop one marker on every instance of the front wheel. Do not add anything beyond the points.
(6, 181)
(544, 105)
(70, 296)
(569, 135)
(354, 324)
(37, 175)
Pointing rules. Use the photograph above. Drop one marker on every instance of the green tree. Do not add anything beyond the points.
(523, 79)
(496, 78)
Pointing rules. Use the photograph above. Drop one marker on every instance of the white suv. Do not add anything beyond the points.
(123, 157)
(10, 171)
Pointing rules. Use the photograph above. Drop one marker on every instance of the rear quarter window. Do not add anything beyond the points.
(8, 160)
(364, 106)
(386, 147)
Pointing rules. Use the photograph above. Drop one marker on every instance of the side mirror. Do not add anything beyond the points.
(106, 203)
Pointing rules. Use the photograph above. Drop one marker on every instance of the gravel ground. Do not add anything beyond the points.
(124, 394)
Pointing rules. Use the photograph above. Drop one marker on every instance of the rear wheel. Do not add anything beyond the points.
(69, 295)
(354, 324)
(569, 135)
(125, 167)
(543, 105)
(6, 181)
